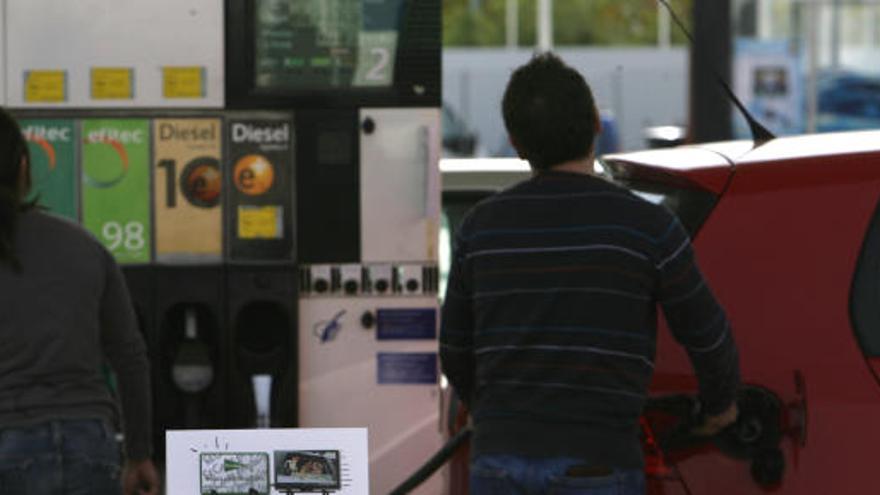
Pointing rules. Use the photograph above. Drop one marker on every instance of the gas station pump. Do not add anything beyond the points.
(261, 274)
(190, 366)
(271, 192)
(363, 81)
(368, 330)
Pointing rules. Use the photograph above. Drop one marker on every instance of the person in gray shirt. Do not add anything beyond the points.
(65, 311)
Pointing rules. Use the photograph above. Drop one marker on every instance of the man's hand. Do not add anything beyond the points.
(714, 424)
(140, 478)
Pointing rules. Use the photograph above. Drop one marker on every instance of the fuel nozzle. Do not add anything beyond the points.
(754, 437)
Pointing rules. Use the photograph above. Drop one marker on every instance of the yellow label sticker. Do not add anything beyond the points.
(183, 82)
(45, 86)
(260, 222)
(112, 83)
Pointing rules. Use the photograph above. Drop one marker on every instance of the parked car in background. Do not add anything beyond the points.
(459, 141)
(848, 101)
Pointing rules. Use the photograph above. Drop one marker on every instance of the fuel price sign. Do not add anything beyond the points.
(260, 219)
(52, 146)
(116, 186)
(187, 189)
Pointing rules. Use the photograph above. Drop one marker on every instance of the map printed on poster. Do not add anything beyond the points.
(52, 147)
(234, 473)
(268, 462)
(116, 186)
(187, 189)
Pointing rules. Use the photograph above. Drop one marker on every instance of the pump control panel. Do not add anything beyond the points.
(351, 280)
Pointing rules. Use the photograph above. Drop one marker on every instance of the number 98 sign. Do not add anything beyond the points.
(129, 236)
(116, 186)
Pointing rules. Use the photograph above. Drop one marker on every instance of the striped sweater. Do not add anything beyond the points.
(550, 318)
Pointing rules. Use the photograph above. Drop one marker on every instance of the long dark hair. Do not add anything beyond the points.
(13, 149)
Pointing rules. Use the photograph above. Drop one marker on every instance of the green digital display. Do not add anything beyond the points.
(306, 44)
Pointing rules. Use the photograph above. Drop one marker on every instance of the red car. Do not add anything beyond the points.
(788, 236)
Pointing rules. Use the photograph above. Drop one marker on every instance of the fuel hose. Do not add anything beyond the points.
(434, 463)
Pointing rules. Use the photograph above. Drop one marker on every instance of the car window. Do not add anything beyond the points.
(691, 204)
(866, 291)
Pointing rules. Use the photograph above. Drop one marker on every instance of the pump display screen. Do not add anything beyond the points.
(316, 44)
(307, 470)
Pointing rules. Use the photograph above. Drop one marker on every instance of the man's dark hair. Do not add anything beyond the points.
(549, 112)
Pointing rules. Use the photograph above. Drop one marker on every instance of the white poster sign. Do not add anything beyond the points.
(768, 80)
(267, 461)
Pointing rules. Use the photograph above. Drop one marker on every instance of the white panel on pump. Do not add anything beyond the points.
(114, 53)
(400, 184)
(3, 52)
(377, 371)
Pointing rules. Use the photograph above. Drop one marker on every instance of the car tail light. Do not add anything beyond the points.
(655, 461)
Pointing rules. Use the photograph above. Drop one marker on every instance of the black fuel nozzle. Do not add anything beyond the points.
(754, 437)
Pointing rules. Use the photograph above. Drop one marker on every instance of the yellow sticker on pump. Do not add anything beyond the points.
(112, 83)
(45, 86)
(183, 82)
(260, 222)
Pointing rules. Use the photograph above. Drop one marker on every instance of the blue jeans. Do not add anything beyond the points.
(516, 475)
(69, 457)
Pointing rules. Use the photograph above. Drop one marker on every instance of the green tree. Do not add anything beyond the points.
(576, 22)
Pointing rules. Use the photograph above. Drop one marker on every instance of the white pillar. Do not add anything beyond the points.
(664, 28)
(813, 65)
(765, 19)
(835, 34)
(512, 30)
(545, 25)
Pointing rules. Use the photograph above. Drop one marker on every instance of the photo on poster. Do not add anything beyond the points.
(770, 81)
(307, 470)
(239, 473)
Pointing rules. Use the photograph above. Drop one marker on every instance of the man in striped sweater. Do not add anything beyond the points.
(550, 317)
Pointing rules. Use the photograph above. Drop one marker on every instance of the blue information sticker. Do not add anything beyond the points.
(406, 324)
(406, 368)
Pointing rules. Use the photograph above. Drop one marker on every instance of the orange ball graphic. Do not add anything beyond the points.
(253, 174)
(202, 183)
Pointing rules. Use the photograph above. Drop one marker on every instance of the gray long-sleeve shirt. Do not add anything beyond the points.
(61, 317)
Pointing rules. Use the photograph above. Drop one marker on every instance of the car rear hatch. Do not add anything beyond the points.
(688, 180)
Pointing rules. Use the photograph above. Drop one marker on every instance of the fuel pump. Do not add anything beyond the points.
(190, 369)
(363, 83)
(368, 323)
(271, 193)
(261, 273)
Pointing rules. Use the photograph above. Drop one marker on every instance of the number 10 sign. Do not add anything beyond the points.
(116, 187)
